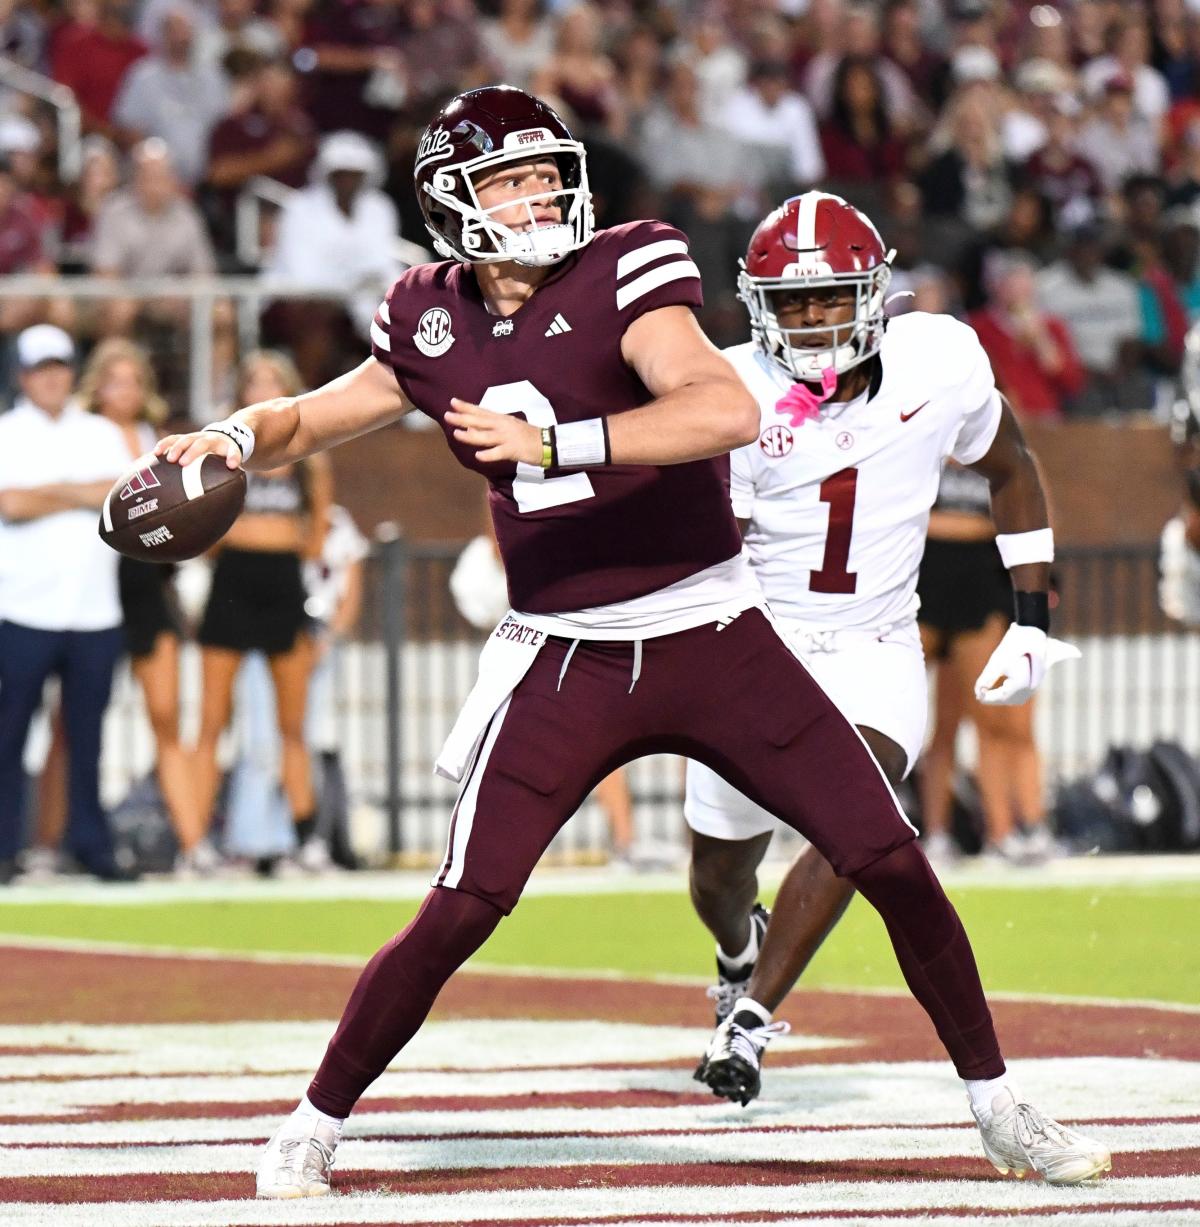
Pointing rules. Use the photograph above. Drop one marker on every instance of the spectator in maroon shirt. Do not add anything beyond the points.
(99, 177)
(23, 252)
(266, 134)
(442, 49)
(1066, 178)
(359, 75)
(904, 45)
(1031, 353)
(90, 52)
(857, 140)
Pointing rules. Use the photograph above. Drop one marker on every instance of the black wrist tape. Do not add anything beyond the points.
(1033, 609)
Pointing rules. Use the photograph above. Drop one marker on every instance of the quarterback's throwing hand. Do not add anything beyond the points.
(495, 436)
(1018, 665)
(183, 449)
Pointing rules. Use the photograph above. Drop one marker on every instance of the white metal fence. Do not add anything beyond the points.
(1131, 687)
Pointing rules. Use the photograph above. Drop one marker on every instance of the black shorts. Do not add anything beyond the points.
(146, 604)
(256, 602)
(961, 585)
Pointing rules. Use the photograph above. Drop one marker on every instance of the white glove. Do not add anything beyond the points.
(1018, 665)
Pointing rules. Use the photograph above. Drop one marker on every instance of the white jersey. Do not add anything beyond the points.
(839, 505)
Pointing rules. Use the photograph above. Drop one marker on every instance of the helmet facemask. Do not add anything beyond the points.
(470, 232)
(853, 342)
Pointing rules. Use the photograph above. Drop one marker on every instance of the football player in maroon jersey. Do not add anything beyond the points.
(566, 366)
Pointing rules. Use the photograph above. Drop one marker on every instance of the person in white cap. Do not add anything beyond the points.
(338, 235)
(59, 609)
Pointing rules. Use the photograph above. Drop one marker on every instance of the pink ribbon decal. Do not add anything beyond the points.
(802, 404)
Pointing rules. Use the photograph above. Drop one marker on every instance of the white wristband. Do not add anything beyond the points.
(1016, 549)
(239, 432)
(581, 444)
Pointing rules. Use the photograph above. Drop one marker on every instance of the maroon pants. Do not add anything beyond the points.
(733, 697)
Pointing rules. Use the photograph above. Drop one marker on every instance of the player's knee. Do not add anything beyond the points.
(722, 867)
(898, 881)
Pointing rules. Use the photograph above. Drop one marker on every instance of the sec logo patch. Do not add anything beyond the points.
(776, 441)
(433, 336)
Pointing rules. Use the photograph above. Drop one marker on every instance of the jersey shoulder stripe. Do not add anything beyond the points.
(662, 275)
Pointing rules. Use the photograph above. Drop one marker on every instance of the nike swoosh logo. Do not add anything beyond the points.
(905, 416)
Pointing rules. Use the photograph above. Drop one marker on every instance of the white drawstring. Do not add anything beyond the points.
(566, 661)
(637, 663)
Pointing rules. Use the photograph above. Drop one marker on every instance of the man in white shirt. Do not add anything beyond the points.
(779, 123)
(339, 235)
(59, 610)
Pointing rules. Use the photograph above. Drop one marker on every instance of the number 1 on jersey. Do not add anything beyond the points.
(839, 491)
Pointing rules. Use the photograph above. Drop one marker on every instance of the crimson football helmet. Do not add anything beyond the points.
(816, 241)
(476, 132)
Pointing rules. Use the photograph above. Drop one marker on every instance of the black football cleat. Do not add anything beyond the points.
(732, 1066)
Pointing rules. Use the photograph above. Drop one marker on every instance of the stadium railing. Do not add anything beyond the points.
(61, 100)
(402, 679)
(184, 355)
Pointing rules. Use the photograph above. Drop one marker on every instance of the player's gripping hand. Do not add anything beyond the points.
(1018, 665)
(183, 449)
(495, 436)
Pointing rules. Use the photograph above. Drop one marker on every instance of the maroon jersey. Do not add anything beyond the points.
(574, 539)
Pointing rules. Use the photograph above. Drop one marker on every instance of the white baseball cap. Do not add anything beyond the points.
(973, 63)
(44, 343)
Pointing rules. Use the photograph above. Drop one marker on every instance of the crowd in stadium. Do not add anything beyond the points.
(1036, 166)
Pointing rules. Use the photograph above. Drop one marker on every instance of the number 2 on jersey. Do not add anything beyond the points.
(531, 491)
(839, 491)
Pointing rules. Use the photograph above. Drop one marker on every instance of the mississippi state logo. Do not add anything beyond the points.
(502, 328)
(435, 143)
(139, 483)
(433, 336)
(776, 441)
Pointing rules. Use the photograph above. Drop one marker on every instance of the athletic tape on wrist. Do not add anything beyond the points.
(581, 444)
(1032, 609)
(240, 433)
(1016, 549)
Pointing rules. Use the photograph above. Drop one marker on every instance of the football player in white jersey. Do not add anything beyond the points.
(858, 415)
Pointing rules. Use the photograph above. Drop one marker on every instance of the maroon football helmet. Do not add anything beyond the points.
(816, 241)
(476, 132)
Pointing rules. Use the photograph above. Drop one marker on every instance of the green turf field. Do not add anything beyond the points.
(1122, 941)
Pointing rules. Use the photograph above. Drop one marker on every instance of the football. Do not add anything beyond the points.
(158, 511)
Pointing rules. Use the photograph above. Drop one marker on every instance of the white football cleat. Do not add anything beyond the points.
(1019, 1139)
(298, 1161)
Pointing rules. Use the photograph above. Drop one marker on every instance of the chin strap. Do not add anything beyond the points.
(801, 403)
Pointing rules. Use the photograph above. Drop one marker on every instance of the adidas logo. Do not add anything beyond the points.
(558, 327)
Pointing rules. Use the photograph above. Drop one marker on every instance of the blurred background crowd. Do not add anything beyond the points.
(226, 185)
(1037, 167)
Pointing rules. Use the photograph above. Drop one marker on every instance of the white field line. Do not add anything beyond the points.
(478, 967)
(448, 1154)
(583, 1204)
(870, 1094)
(253, 1047)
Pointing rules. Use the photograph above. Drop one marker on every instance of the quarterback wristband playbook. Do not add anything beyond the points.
(241, 434)
(576, 445)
